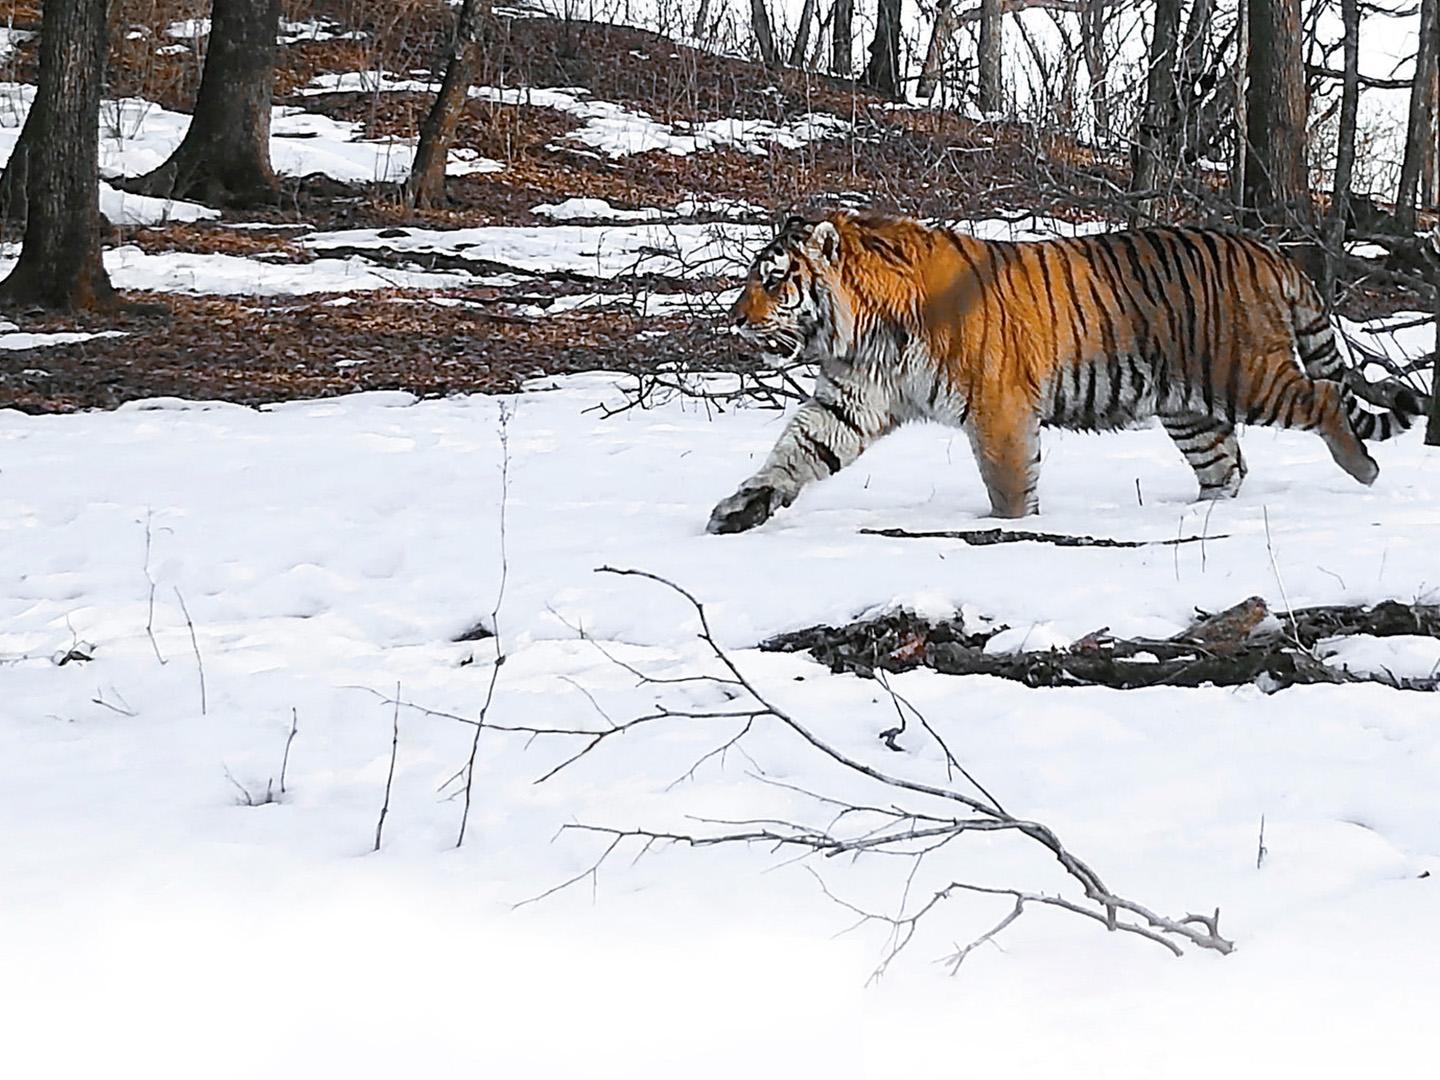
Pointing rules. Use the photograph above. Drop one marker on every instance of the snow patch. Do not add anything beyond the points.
(1402, 655)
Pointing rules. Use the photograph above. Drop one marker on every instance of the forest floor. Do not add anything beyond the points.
(639, 127)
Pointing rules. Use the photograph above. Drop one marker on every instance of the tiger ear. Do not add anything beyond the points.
(826, 239)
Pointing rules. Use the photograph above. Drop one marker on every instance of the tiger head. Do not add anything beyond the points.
(793, 303)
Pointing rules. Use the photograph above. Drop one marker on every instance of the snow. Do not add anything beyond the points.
(296, 32)
(137, 135)
(609, 128)
(674, 250)
(195, 274)
(580, 209)
(188, 28)
(11, 39)
(1402, 655)
(11, 338)
(590, 209)
(332, 548)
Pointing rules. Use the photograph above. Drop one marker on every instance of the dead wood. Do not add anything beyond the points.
(1230, 648)
(986, 537)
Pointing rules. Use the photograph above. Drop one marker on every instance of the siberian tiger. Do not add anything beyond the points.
(911, 321)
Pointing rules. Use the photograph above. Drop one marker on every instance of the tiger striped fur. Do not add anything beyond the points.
(910, 321)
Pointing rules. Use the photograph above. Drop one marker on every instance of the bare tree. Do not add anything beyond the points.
(764, 36)
(1197, 77)
(842, 35)
(940, 35)
(1240, 151)
(224, 159)
(60, 260)
(1432, 423)
(991, 45)
(802, 34)
(13, 196)
(1154, 145)
(1277, 188)
(883, 70)
(1093, 20)
(1345, 146)
(1420, 134)
(425, 186)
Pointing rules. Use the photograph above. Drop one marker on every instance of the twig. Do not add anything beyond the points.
(895, 831)
(194, 644)
(1275, 568)
(150, 603)
(469, 768)
(390, 777)
(285, 761)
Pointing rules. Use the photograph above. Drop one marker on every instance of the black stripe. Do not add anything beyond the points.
(1207, 463)
(818, 449)
(1042, 252)
(835, 409)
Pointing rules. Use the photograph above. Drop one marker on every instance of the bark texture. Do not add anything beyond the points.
(1153, 151)
(1420, 134)
(1345, 146)
(988, 88)
(1277, 189)
(940, 35)
(224, 159)
(60, 265)
(842, 35)
(764, 36)
(425, 186)
(883, 70)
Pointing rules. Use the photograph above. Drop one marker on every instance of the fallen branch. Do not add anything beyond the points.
(987, 537)
(887, 828)
(1229, 648)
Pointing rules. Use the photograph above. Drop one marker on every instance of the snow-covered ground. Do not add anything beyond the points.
(327, 552)
(138, 135)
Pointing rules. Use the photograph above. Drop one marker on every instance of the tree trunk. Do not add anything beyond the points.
(990, 48)
(1195, 78)
(883, 70)
(1277, 188)
(425, 187)
(60, 265)
(1345, 148)
(842, 35)
(700, 31)
(13, 196)
(1241, 150)
(934, 69)
(224, 159)
(1422, 112)
(764, 36)
(802, 34)
(1092, 44)
(1154, 147)
(1432, 423)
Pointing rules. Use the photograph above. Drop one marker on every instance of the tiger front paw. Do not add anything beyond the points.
(747, 508)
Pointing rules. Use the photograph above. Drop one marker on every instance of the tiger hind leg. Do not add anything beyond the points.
(1211, 449)
(1293, 400)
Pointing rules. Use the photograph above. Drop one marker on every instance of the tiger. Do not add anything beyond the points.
(910, 320)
